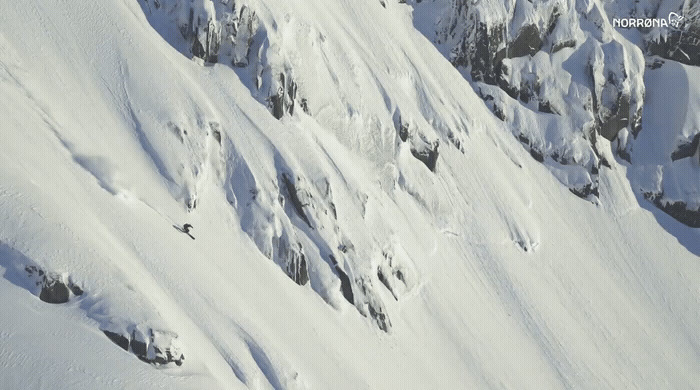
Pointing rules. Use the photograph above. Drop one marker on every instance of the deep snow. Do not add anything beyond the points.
(509, 281)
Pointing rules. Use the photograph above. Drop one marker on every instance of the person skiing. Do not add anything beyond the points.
(185, 229)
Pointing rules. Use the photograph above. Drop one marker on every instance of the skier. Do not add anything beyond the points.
(185, 229)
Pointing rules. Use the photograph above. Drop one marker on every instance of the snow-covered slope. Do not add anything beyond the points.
(571, 86)
(390, 234)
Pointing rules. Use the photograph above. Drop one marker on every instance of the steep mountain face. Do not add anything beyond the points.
(311, 194)
(675, 42)
(562, 64)
(300, 212)
(233, 34)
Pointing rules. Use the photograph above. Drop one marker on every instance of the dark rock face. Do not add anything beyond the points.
(53, 288)
(298, 271)
(498, 48)
(374, 306)
(615, 107)
(678, 47)
(611, 104)
(545, 106)
(535, 152)
(153, 346)
(345, 285)
(427, 154)
(484, 46)
(54, 292)
(360, 292)
(380, 318)
(586, 191)
(402, 128)
(164, 357)
(393, 276)
(228, 32)
(687, 149)
(242, 35)
(216, 132)
(422, 149)
(284, 100)
(204, 35)
(677, 210)
(121, 341)
(225, 33)
(625, 155)
(295, 198)
(366, 301)
(487, 54)
(295, 260)
(680, 43)
(77, 291)
(139, 348)
(562, 45)
(618, 119)
(528, 42)
(385, 281)
(305, 105)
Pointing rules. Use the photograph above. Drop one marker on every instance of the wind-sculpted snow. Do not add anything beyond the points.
(563, 79)
(295, 222)
(357, 215)
(554, 72)
(230, 33)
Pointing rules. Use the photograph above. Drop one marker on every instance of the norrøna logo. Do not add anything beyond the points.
(674, 20)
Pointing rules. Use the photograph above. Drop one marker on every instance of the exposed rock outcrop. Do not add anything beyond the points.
(370, 304)
(426, 152)
(678, 209)
(294, 260)
(223, 31)
(518, 50)
(242, 37)
(151, 346)
(396, 272)
(345, 284)
(675, 42)
(55, 288)
(284, 100)
(297, 197)
(212, 30)
(687, 149)
(615, 104)
(421, 148)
